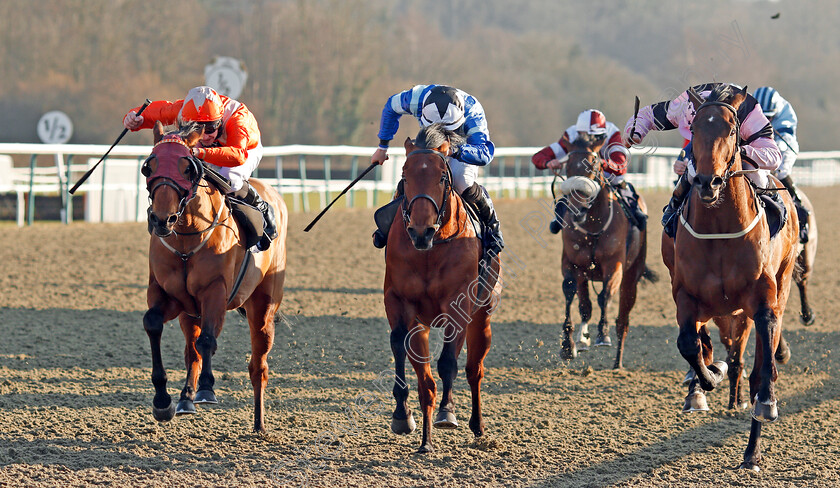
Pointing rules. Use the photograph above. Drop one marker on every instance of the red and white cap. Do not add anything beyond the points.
(592, 122)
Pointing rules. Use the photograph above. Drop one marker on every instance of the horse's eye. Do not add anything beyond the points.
(732, 132)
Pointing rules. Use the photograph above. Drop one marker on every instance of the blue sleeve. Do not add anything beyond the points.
(478, 149)
(403, 103)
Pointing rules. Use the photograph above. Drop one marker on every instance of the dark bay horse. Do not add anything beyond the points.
(195, 257)
(725, 266)
(431, 281)
(599, 244)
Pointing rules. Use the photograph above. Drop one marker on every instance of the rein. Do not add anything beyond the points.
(446, 179)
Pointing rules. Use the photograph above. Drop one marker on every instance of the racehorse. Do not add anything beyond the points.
(195, 261)
(599, 244)
(431, 282)
(724, 265)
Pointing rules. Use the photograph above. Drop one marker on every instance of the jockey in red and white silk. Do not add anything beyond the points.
(614, 157)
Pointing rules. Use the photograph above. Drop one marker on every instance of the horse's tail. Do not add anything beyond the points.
(650, 275)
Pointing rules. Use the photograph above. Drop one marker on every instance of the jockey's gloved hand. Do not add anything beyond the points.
(455, 153)
(132, 121)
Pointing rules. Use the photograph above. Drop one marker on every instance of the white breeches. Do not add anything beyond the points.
(238, 175)
(463, 174)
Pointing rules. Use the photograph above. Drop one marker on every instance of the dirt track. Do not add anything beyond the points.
(75, 388)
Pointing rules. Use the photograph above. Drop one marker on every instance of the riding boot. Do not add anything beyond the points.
(680, 191)
(631, 199)
(802, 212)
(384, 217)
(478, 198)
(250, 196)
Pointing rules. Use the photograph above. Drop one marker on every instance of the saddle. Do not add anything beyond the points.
(248, 217)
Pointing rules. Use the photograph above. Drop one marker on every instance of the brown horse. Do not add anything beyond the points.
(431, 278)
(195, 258)
(724, 265)
(599, 244)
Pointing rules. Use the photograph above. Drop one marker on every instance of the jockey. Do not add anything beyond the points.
(230, 141)
(783, 122)
(459, 112)
(757, 147)
(613, 155)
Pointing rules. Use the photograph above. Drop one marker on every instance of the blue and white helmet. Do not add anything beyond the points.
(443, 104)
(769, 99)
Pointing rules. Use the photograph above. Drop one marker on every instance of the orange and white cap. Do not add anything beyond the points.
(202, 104)
(592, 122)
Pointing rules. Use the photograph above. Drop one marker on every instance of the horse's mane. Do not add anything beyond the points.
(435, 135)
(721, 93)
(586, 140)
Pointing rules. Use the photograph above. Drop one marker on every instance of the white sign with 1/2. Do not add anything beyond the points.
(226, 75)
(55, 127)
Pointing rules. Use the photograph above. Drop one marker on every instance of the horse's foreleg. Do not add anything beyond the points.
(417, 349)
(161, 310)
(260, 311)
(691, 344)
(569, 351)
(764, 372)
(212, 300)
(612, 282)
(448, 371)
(402, 421)
(191, 328)
(478, 344)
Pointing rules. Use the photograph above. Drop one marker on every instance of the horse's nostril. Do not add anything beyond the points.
(717, 181)
(172, 219)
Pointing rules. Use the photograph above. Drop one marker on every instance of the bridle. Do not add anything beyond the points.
(445, 180)
(728, 173)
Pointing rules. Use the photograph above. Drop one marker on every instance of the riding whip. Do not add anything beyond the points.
(90, 171)
(635, 116)
(318, 217)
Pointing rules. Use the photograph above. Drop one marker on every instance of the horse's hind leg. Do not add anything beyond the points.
(737, 331)
(612, 282)
(627, 299)
(801, 275)
(260, 312)
(191, 328)
(569, 350)
(478, 344)
(161, 310)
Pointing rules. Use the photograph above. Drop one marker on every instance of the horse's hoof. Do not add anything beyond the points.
(689, 377)
(695, 402)
(808, 318)
(403, 426)
(205, 397)
(568, 353)
(783, 352)
(425, 448)
(185, 407)
(722, 368)
(583, 339)
(765, 411)
(445, 420)
(164, 414)
(603, 341)
(749, 466)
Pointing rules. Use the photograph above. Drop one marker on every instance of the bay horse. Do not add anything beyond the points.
(431, 277)
(724, 266)
(599, 244)
(195, 258)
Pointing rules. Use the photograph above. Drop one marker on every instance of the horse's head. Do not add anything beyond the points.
(172, 176)
(584, 175)
(427, 183)
(715, 139)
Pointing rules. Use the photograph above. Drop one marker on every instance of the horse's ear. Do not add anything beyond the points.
(158, 131)
(739, 97)
(445, 147)
(695, 97)
(409, 145)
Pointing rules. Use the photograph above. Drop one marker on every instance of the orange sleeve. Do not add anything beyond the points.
(164, 111)
(242, 134)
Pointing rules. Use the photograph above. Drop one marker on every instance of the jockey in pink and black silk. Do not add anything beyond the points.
(757, 146)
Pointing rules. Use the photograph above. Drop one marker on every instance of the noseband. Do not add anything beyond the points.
(446, 179)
